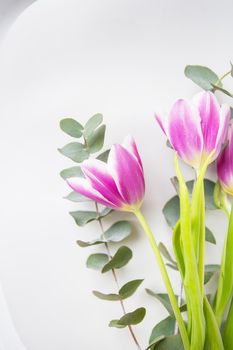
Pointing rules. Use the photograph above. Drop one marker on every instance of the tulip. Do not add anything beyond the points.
(197, 128)
(119, 183)
(225, 164)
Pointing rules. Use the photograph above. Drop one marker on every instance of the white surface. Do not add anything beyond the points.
(123, 58)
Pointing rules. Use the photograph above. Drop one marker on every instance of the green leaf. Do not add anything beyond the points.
(84, 244)
(163, 298)
(129, 288)
(82, 217)
(95, 141)
(226, 92)
(109, 297)
(210, 270)
(92, 124)
(105, 212)
(76, 197)
(209, 237)
(74, 151)
(71, 127)
(163, 329)
(125, 292)
(120, 259)
(171, 211)
(97, 261)
(164, 251)
(173, 342)
(118, 231)
(104, 156)
(131, 318)
(202, 76)
(74, 171)
(111, 235)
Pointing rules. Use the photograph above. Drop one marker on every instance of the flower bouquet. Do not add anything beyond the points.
(199, 132)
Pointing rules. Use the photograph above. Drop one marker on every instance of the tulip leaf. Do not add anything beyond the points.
(71, 127)
(92, 124)
(202, 76)
(109, 297)
(104, 156)
(173, 342)
(97, 261)
(163, 329)
(82, 217)
(129, 288)
(95, 140)
(131, 318)
(120, 259)
(74, 171)
(76, 197)
(210, 270)
(118, 231)
(75, 151)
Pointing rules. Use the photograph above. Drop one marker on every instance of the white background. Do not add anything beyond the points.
(124, 58)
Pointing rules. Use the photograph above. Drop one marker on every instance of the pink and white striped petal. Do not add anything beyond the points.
(127, 174)
(184, 132)
(83, 187)
(130, 144)
(101, 180)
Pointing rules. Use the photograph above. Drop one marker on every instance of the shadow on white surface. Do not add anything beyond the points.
(9, 339)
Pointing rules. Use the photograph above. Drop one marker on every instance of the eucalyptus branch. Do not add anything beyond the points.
(115, 276)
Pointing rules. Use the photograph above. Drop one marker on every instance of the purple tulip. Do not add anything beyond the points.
(197, 128)
(225, 164)
(119, 184)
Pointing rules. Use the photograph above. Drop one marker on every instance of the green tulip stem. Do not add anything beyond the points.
(171, 294)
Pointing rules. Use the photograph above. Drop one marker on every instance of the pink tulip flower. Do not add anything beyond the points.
(225, 164)
(197, 128)
(119, 183)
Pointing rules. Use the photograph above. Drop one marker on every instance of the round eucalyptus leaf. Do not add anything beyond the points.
(133, 318)
(109, 297)
(74, 171)
(83, 217)
(95, 140)
(120, 259)
(118, 231)
(76, 197)
(75, 151)
(104, 156)
(163, 329)
(173, 342)
(97, 261)
(71, 127)
(129, 288)
(92, 124)
(202, 76)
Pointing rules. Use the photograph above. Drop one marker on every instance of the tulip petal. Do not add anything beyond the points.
(102, 181)
(83, 187)
(130, 144)
(127, 174)
(209, 111)
(184, 132)
(225, 164)
(225, 115)
(161, 123)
